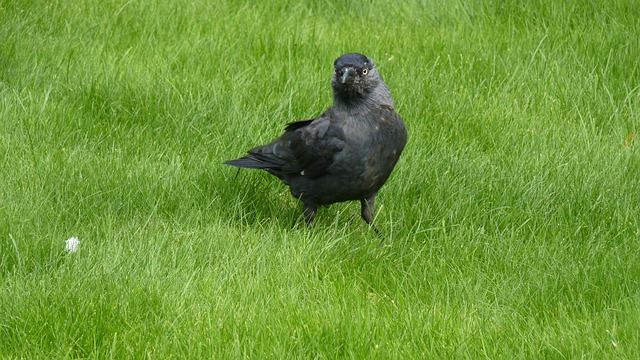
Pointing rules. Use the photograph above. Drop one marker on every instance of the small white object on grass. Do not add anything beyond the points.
(72, 244)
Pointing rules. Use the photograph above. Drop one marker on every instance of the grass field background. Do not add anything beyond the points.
(512, 221)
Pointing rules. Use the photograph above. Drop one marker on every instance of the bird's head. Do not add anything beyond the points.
(356, 79)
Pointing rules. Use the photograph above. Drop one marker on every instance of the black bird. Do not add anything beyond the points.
(348, 152)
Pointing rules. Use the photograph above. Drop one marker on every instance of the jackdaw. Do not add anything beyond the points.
(348, 152)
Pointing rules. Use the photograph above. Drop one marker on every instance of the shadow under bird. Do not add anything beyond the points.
(348, 152)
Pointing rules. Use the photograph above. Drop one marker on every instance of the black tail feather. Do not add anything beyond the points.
(246, 162)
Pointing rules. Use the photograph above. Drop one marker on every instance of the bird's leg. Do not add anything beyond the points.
(309, 211)
(369, 210)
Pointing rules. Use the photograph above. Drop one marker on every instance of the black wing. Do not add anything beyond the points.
(307, 148)
(314, 144)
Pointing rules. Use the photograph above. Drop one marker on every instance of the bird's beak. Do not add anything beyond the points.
(348, 76)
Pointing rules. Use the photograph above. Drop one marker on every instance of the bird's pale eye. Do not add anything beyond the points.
(365, 71)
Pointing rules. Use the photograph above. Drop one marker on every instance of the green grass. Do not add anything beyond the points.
(512, 220)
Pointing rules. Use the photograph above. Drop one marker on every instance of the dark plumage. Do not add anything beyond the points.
(348, 152)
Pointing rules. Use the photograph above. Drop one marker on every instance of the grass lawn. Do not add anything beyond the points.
(512, 221)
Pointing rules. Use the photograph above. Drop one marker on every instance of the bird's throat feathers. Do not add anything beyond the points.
(354, 101)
